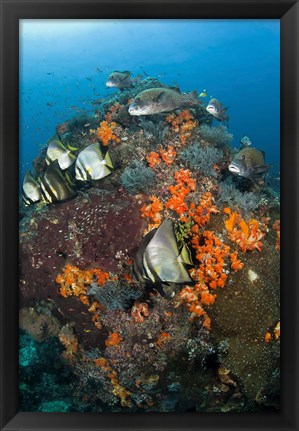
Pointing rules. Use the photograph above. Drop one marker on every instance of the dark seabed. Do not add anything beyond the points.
(149, 216)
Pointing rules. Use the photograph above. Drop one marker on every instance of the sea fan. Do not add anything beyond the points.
(218, 136)
(137, 178)
(201, 158)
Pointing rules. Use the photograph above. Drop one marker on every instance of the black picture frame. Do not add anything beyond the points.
(288, 13)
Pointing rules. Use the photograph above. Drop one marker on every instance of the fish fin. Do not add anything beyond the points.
(159, 97)
(261, 169)
(69, 179)
(57, 143)
(185, 255)
(255, 180)
(159, 288)
(108, 160)
(175, 89)
(72, 148)
(138, 272)
(106, 172)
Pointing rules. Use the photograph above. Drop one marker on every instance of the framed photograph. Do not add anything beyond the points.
(148, 165)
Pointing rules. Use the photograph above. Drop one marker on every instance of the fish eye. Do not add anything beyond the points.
(243, 157)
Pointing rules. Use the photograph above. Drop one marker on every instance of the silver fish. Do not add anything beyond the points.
(31, 192)
(57, 151)
(91, 164)
(216, 109)
(54, 185)
(121, 80)
(157, 100)
(159, 260)
(249, 163)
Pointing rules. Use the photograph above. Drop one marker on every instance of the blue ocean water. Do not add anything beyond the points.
(64, 65)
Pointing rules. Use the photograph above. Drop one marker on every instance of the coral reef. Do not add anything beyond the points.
(211, 346)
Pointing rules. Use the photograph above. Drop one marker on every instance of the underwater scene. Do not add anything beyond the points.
(149, 216)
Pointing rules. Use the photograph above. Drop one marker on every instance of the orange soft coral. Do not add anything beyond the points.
(236, 264)
(153, 159)
(118, 390)
(168, 155)
(267, 337)
(69, 341)
(183, 124)
(230, 222)
(152, 212)
(105, 132)
(247, 235)
(211, 273)
(201, 214)
(276, 226)
(212, 256)
(113, 340)
(75, 282)
(139, 311)
(183, 187)
(190, 295)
